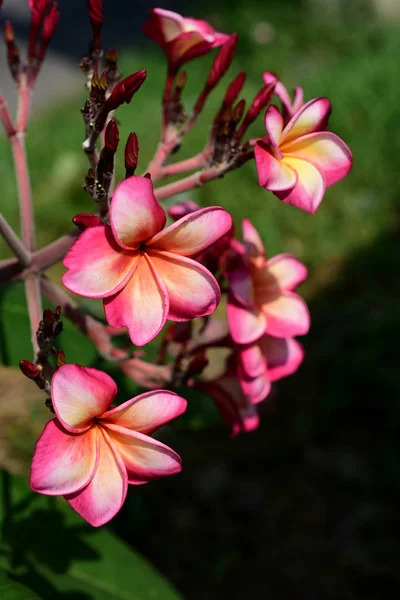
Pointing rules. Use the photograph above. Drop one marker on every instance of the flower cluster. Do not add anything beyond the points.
(147, 273)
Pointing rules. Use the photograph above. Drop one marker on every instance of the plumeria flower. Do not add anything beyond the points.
(142, 271)
(90, 452)
(262, 296)
(289, 108)
(267, 360)
(297, 162)
(182, 38)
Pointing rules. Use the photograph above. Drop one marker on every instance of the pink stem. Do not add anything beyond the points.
(8, 233)
(190, 164)
(34, 301)
(195, 180)
(166, 101)
(24, 190)
(24, 99)
(6, 118)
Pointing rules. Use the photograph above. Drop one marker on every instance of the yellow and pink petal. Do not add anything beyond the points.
(147, 412)
(97, 266)
(63, 462)
(79, 394)
(286, 314)
(246, 325)
(311, 117)
(286, 272)
(273, 174)
(309, 190)
(284, 356)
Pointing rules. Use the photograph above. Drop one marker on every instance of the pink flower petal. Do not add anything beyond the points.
(147, 412)
(326, 151)
(252, 360)
(252, 242)
(241, 283)
(104, 496)
(142, 306)
(256, 389)
(63, 462)
(312, 116)
(79, 394)
(284, 356)
(143, 457)
(135, 214)
(192, 290)
(246, 325)
(97, 265)
(274, 126)
(273, 174)
(193, 233)
(171, 23)
(286, 271)
(309, 190)
(287, 315)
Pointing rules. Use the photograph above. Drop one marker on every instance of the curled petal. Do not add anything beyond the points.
(255, 389)
(147, 412)
(241, 283)
(143, 457)
(246, 325)
(252, 242)
(326, 151)
(97, 265)
(63, 462)
(312, 116)
(142, 306)
(163, 25)
(273, 174)
(192, 290)
(193, 233)
(104, 496)
(284, 356)
(252, 360)
(287, 315)
(309, 190)
(79, 394)
(286, 272)
(274, 125)
(135, 214)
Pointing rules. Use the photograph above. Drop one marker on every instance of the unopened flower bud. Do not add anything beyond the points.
(111, 137)
(222, 61)
(13, 59)
(47, 317)
(85, 220)
(95, 8)
(125, 89)
(238, 111)
(60, 358)
(259, 103)
(30, 370)
(131, 154)
(234, 89)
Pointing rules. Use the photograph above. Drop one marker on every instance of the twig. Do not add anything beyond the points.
(24, 99)
(8, 233)
(24, 190)
(198, 179)
(34, 301)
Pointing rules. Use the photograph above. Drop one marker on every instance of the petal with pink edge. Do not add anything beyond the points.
(273, 174)
(63, 462)
(252, 242)
(312, 116)
(135, 214)
(97, 265)
(104, 496)
(246, 325)
(274, 125)
(287, 315)
(171, 23)
(284, 356)
(256, 389)
(241, 283)
(143, 457)
(252, 360)
(326, 151)
(79, 394)
(147, 412)
(193, 233)
(142, 306)
(286, 271)
(192, 290)
(309, 190)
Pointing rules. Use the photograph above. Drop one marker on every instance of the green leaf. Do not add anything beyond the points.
(10, 590)
(52, 550)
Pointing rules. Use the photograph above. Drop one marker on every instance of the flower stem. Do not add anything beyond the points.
(35, 311)
(195, 180)
(24, 190)
(8, 233)
(6, 118)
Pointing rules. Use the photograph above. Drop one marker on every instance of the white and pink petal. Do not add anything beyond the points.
(287, 315)
(286, 272)
(312, 116)
(246, 325)
(273, 174)
(309, 190)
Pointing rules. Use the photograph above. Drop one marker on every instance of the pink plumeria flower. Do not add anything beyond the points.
(297, 162)
(90, 452)
(182, 38)
(261, 363)
(142, 271)
(289, 108)
(262, 296)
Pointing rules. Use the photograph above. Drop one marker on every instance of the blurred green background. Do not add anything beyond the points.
(306, 507)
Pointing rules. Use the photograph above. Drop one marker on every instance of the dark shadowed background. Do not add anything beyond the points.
(306, 507)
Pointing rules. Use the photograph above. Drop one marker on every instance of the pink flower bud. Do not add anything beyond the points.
(131, 154)
(95, 8)
(85, 220)
(234, 89)
(259, 103)
(49, 26)
(29, 369)
(222, 61)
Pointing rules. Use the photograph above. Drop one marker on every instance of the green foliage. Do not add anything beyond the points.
(10, 590)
